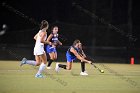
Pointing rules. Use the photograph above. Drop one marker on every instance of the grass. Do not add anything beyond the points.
(118, 78)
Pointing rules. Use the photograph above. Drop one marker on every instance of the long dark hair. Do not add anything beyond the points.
(75, 42)
(53, 27)
(44, 24)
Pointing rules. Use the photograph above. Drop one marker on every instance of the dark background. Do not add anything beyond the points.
(74, 23)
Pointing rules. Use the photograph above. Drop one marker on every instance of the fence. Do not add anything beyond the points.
(100, 54)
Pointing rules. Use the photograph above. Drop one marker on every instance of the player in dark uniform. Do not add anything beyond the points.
(71, 55)
(51, 48)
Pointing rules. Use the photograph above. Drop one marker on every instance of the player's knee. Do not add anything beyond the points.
(37, 64)
(68, 68)
(52, 58)
(55, 58)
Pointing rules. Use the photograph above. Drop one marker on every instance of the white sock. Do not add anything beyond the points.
(31, 62)
(41, 68)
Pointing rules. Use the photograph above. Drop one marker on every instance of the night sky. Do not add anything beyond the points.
(73, 23)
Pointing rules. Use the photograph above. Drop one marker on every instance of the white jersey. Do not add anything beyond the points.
(39, 47)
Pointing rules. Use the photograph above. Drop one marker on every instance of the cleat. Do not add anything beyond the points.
(83, 73)
(57, 68)
(23, 61)
(49, 67)
(39, 76)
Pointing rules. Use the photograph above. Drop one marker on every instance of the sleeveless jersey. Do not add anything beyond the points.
(54, 38)
(71, 52)
(38, 40)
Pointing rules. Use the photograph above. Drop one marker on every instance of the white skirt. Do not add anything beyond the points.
(39, 50)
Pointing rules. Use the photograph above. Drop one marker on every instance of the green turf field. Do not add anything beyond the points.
(118, 78)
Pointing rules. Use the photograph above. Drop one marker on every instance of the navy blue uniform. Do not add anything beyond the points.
(70, 56)
(54, 39)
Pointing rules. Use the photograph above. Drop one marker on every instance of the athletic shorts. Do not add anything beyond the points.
(70, 58)
(50, 49)
(39, 50)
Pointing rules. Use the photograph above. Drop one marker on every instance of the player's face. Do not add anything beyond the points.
(77, 45)
(55, 30)
(80, 45)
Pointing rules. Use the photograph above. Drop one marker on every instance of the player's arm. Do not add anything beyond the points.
(84, 55)
(81, 53)
(60, 43)
(35, 37)
(78, 56)
(49, 39)
(43, 35)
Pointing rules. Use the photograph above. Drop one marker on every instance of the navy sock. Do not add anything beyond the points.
(83, 66)
(49, 63)
(62, 66)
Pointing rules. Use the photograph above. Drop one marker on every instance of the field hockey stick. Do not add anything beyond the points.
(88, 57)
(102, 71)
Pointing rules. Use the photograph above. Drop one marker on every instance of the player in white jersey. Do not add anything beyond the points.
(40, 55)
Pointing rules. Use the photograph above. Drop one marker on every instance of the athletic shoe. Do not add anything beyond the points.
(49, 67)
(83, 74)
(23, 61)
(39, 76)
(57, 68)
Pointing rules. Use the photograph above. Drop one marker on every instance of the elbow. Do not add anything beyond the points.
(60, 44)
(34, 38)
(42, 41)
(47, 40)
(80, 58)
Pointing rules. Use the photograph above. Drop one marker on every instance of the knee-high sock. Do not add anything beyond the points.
(41, 68)
(83, 66)
(62, 66)
(31, 62)
(49, 63)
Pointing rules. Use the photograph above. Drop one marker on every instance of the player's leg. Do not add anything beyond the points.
(83, 72)
(38, 61)
(50, 60)
(37, 51)
(69, 63)
(53, 57)
(43, 58)
(49, 50)
(82, 66)
(67, 67)
(31, 62)
(58, 66)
